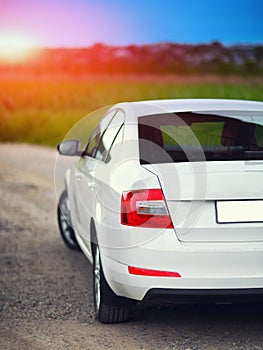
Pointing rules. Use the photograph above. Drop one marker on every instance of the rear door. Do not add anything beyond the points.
(93, 171)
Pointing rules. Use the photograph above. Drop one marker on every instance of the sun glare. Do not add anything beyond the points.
(15, 48)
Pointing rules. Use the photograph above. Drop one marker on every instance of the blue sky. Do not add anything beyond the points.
(75, 23)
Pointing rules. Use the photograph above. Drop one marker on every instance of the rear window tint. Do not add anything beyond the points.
(199, 136)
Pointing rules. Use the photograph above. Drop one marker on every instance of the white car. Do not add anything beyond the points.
(166, 201)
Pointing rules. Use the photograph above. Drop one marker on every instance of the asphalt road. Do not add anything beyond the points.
(46, 290)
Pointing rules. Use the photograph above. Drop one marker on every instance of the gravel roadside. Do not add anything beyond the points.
(45, 289)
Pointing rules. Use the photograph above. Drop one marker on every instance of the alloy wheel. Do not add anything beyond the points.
(97, 278)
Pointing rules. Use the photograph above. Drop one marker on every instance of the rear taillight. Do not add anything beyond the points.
(145, 208)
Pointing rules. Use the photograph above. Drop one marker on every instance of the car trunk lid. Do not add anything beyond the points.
(213, 201)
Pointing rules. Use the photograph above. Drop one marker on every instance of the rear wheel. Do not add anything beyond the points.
(109, 308)
(64, 222)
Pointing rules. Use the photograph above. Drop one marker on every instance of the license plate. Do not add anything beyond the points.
(239, 211)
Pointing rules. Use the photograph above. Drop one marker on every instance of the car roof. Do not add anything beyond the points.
(141, 108)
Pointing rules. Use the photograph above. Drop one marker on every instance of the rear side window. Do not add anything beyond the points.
(95, 138)
(108, 132)
(109, 137)
(199, 136)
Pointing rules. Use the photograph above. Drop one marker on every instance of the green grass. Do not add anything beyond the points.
(43, 111)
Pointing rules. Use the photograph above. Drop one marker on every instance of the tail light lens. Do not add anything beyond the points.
(145, 208)
(154, 273)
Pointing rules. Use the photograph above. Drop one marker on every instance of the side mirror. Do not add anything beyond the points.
(69, 148)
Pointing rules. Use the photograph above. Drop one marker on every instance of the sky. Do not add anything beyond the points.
(80, 23)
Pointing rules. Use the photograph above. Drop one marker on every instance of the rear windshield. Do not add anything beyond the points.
(201, 136)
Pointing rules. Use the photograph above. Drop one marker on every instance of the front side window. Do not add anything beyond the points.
(198, 136)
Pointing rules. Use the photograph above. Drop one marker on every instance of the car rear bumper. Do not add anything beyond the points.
(185, 288)
(203, 296)
(230, 266)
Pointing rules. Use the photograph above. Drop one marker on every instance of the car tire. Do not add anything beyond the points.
(109, 308)
(64, 222)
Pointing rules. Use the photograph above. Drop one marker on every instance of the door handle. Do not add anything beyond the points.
(78, 175)
(91, 184)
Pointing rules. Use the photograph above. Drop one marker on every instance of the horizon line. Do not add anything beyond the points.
(146, 44)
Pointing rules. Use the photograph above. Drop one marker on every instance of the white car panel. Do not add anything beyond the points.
(193, 209)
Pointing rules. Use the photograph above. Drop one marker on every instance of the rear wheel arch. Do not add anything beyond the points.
(110, 308)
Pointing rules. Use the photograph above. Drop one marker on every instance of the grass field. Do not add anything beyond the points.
(43, 110)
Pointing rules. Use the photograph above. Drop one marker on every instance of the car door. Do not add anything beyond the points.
(92, 167)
